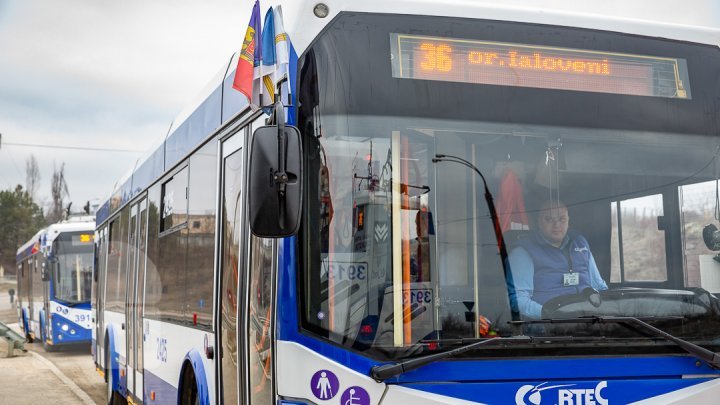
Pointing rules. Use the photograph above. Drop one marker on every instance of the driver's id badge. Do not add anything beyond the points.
(570, 279)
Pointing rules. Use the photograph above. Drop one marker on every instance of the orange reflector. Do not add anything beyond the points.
(122, 373)
(152, 395)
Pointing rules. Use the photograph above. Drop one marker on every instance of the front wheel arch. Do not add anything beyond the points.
(193, 381)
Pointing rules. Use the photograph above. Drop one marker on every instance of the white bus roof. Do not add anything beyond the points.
(692, 20)
(73, 224)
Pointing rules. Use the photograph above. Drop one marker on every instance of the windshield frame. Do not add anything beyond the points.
(63, 250)
(597, 111)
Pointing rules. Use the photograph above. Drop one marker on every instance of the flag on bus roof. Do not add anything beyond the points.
(282, 48)
(267, 70)
(275, 52)
(250, 55)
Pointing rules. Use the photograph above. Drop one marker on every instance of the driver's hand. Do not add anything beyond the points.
(592, 296)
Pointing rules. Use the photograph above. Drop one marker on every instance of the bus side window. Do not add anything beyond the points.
(637, 246)
(697, 209)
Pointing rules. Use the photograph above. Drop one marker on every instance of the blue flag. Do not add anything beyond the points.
(268, 59)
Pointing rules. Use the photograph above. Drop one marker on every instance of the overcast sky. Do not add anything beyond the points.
(102, 74)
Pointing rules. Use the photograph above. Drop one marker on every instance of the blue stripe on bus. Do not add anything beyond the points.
(42, 326)
(288, 315)
(196, 362)
(114, 367)
(81, 335)
(542, 392)
(472, 370)
(165, 393)
(292, 81)
(26, 323)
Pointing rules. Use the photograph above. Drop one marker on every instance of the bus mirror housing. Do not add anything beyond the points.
(95, 264)
(44, 271)
(275, 178)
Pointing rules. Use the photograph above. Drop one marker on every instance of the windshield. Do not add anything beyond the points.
(601, 193)
(72, 279)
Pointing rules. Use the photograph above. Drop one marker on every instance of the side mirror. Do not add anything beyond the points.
(711, 237)
(275, 179)
(95, 264)
(44, 271)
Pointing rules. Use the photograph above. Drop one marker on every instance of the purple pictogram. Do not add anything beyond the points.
(355, 396)
(324, 384)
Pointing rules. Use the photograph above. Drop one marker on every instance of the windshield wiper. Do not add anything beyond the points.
(385, 371)
(710, 357)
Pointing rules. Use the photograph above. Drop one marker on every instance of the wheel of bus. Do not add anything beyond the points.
(113, 398)
(189, 394)
(48, 347)
(28, 337)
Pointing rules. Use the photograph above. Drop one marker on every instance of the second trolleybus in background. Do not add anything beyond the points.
(362, 262)
(54, 275)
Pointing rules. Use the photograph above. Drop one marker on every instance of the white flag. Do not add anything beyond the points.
(282, 48)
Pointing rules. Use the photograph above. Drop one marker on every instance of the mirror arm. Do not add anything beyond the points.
(280, 175)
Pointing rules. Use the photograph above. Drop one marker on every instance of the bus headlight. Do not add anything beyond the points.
(321, 10)
(72, 331)
(65, 327)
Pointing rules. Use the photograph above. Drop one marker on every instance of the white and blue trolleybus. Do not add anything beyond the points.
(54, 276)
(449, 203)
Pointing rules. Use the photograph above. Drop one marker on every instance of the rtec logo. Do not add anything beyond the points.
(532, 395)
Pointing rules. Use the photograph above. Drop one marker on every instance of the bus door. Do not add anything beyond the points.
(99, 300)
(36, 294)
(139, 292)
(257, 325)
(31, 295)
(133, 309)
(22, 294)
(230, 239)
(47, 319)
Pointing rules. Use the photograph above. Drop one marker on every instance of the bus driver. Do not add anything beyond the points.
(552, 262)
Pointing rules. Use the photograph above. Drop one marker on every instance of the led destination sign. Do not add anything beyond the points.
(82, 239)
(506, 64)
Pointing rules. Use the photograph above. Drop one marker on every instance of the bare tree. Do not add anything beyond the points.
(32, 176)
(58, 192)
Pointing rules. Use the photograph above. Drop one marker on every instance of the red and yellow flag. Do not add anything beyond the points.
(250, 55)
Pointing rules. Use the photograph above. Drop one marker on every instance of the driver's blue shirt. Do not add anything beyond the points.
(524, 277)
